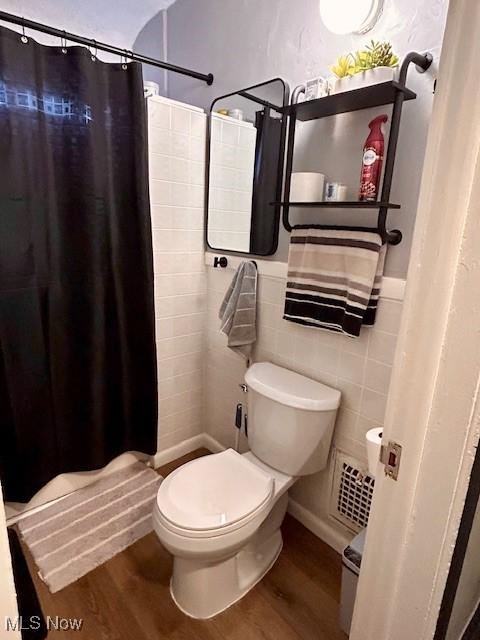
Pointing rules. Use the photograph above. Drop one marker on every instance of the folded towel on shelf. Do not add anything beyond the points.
(238, 311)
(334, 278)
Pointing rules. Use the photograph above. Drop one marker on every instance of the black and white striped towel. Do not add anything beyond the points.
(334, 278)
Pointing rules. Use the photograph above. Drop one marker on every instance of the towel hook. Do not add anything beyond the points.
(220, 262)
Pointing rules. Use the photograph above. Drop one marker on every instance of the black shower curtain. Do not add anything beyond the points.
(264, 223)
(77, 347)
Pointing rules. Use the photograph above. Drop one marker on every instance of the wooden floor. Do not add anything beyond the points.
(128, 597)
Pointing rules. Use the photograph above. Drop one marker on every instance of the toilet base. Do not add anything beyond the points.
(203, 589)
(227, 582)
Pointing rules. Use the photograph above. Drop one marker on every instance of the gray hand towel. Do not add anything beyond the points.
(238, 311)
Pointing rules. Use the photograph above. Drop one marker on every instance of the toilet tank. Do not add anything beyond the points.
(290, 419)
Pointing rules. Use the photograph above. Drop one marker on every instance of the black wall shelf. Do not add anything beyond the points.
(364, 98)
(393, 92)
(341, 204)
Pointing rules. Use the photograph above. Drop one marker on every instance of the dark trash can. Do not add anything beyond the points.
(351, 561)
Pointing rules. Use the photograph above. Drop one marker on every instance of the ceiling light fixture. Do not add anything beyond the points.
(350, 16)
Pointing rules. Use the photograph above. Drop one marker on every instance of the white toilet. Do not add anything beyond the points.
(220, 515)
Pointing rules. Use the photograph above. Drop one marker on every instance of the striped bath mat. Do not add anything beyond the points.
(90, 526)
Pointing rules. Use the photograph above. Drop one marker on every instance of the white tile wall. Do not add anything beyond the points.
(177, 166)
(232, 162)
(360, 368)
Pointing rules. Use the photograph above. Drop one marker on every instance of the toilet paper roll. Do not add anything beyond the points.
(307, 187)
(374, 442)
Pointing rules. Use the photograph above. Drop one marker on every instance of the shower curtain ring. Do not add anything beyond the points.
(24, 38)
(94, 55)
(124, 60)
(63, 42)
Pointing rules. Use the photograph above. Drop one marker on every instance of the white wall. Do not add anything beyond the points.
(152, 41)
(177, 167)
(246, 42)
(89, 18)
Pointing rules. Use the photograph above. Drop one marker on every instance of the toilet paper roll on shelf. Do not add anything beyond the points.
(307, 186)
(374, 443)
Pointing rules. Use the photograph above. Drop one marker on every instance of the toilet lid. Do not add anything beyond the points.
(214, 491)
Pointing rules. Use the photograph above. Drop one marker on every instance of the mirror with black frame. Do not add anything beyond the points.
(244, 169)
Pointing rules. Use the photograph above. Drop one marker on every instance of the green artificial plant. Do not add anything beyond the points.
(375, 54)
(344, 67)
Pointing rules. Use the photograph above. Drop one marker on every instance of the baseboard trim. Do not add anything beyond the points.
(179, 450)
(322, 529)
(187, 446)
(213, 445)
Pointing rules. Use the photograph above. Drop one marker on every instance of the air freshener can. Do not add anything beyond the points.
(372, 160)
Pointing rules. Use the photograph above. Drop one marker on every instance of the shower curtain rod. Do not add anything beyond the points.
(123, 53)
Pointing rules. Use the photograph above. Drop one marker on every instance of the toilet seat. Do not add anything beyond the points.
(214, 495)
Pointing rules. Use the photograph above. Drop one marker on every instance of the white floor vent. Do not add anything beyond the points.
(352, 491)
